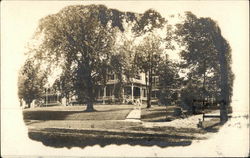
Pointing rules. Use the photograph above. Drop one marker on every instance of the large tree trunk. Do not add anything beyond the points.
(29, 103)
(149, 90)
(224, 86)
(90, 97)
(224, 94)
(149, 96)
(86, 89)
(90, 105)
(120, 87)
(118, 91)
(204, 86)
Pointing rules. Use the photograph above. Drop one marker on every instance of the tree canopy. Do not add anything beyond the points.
(207, 56)
(86, 42)
(78, 41)
(31, 81)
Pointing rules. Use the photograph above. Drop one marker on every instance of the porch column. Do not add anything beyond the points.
(104, 95)
(141, 93)
(132, 92)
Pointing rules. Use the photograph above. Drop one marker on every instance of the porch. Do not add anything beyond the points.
(129, 93)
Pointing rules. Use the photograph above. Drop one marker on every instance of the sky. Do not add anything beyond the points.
(19, 20)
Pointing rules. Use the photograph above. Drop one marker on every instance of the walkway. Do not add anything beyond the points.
(135, 114)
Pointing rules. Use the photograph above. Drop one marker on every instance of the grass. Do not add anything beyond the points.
(156, 113)
(103, 112)
(61, 126)
(84, 124)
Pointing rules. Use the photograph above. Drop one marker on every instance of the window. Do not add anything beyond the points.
(155, 94)
(138, 76)
(101, 92)
(127, 91)
(155, 81)
(144, 93)
(109, 91)
(111, 76)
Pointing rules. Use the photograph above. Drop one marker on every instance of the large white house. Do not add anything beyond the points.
(132, 90)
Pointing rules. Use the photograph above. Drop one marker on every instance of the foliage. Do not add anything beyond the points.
(190, 93)
(169, 82)
(31, 81)
(149, 21)
(207, 55)
(87, 42)
(80, 43)
(148, 56)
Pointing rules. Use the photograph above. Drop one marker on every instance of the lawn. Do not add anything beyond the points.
(156, 113)
(61, 126)
(103, 112)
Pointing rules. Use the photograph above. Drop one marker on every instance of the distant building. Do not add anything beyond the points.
(133, 89)
(51, 97)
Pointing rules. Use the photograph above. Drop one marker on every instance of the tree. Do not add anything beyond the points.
(148, 22)
(190, 93)
(80, 40)
(226, 74)
(77, 40)
(207, 57)
(65, 84)
(31, 81)
(200, 55)
(150, 51)
(148, 56)
(170, 81)
(123, 62)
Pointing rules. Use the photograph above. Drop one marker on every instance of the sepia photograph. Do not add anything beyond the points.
(125, 78)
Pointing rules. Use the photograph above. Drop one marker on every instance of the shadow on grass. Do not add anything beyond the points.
(114, 110)
(213, 128)
(63, 115)
(69, 138)
(158, 120)
(153, 115)
(48, 115)
(135, 135)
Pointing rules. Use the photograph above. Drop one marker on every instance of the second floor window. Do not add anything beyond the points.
(138, 76)
(156, 81)
(111, 76)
